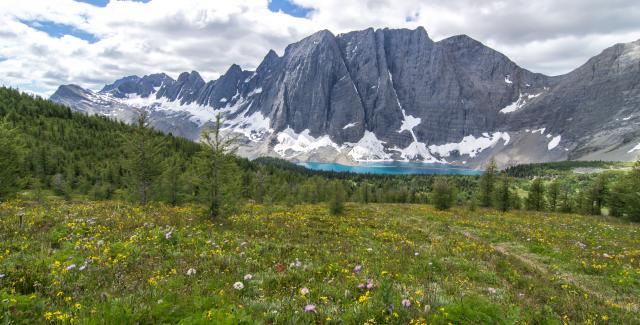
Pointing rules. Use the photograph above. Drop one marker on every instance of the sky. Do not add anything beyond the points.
(45, 43)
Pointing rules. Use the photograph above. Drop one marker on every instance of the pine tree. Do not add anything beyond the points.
(172, 178)
(10, 161)
(487, 184)
(597, 194)
(338, 196)
(535, 199)
(632, 197)
(218, 173)
(143, 151)
(443, 194)
(552, 194)
(503, 195)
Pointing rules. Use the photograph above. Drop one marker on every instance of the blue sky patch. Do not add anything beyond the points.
(288, 8)
(103, 3)
(58, 30)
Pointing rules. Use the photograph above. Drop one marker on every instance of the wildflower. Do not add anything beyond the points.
(83, 266)
(357, 268)
(369, 249)
(416, 254)
(238, 285)
(310, 308)
(361, 286)
(2, 276)
(48, 315)
(605, 317)
(304, 291)
(390, 308)
(295, 263)
(492, 291)
(78, 306)
(369, 284)
(248, 277)
(279, 267)
(191, 271)
(167, 235)
(406, 303)
(71, 267)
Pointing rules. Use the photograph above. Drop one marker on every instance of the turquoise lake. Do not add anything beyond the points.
(394, 167)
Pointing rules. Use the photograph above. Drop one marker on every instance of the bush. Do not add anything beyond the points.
(444, 194)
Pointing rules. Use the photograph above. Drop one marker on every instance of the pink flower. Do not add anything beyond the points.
(361, 286)
(406, 303)
(310, 308)
(369, 284)
(304, 291)
(357, 269)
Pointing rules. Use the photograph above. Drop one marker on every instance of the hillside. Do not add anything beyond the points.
(111, 262)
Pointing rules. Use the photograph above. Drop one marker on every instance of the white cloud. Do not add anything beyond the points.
(174, 36)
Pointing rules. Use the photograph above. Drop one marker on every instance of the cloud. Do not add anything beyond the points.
(170, 36)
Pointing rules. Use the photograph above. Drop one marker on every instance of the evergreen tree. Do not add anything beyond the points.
(597, 194)
(565, 199)
(217, 171)
(553, 192)
(487, 184)
(336, 203)
(172, 179)
(10, 161)
(503, 195)
(616, 198)
(535, 199)
(632, 197)
(443, 194)
(143, 151)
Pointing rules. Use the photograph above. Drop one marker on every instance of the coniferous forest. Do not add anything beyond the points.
(49, 150)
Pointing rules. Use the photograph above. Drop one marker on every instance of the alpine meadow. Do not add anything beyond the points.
(405, 173)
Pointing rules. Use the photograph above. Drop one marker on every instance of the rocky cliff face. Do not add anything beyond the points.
(396, 94)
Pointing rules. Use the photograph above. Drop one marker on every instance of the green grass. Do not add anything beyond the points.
(114, 263)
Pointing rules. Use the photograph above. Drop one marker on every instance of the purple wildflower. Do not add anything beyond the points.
(406, 303)
(357, 269)
(310, 308)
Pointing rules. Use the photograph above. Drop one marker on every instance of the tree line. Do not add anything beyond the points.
(47, 148)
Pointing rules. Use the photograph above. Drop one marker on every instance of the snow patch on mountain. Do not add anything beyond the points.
(291, 144)
(634, 148)
(350, 125)
(470, 145)
(554, 142)
(369, 148)
(519, 103)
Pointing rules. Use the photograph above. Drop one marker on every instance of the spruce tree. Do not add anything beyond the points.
(143, 152)
(552, 194)
(535, 199)
(632, 197)
(503, 195)
(218, 174)
(172, 179)
(487, 184)
(338, 196)
(443, 194)
(10, 161)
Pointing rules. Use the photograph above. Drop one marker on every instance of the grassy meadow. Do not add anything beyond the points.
(115, 263)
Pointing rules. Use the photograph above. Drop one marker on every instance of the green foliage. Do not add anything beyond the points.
(218, 176)
(553, 191)
(143, 158)
(487, 184)
(336, 203)
(10, 161)
(535, 199)
(504, 198)
(444, 194)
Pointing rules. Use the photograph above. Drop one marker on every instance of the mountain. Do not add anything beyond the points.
(395, 94)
